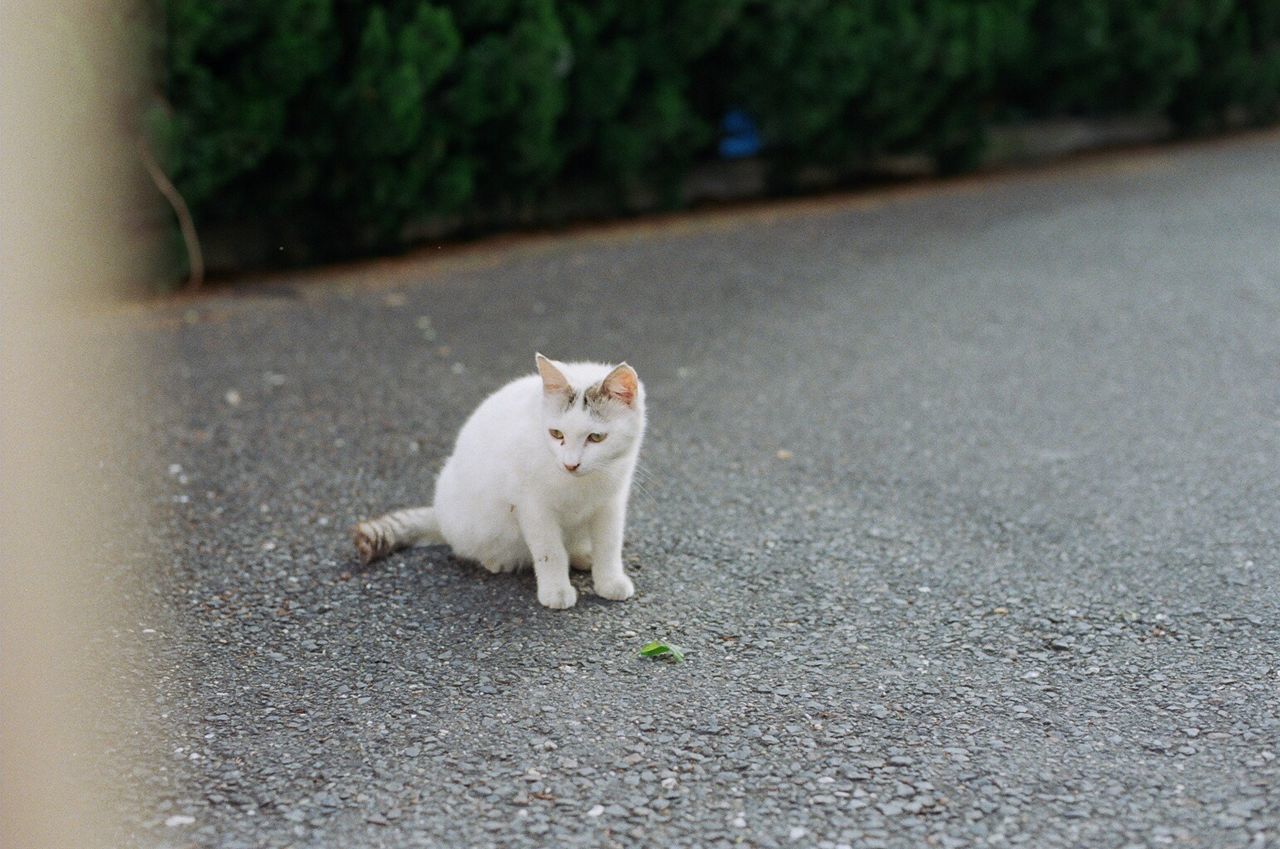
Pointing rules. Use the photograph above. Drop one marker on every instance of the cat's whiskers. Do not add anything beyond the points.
(640, 481)
(644, 492)
(637, 484)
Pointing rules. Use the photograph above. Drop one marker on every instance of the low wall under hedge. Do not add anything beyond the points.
(337, 128)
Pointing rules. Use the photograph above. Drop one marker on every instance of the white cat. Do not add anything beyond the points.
(540, 474)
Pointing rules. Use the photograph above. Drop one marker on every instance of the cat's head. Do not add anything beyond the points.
(592, 415)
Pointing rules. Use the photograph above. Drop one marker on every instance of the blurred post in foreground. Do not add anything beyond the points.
(67, 193)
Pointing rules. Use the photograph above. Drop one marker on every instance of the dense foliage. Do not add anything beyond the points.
(334, 124)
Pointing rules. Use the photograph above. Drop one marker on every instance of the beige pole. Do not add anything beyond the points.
(65, 167)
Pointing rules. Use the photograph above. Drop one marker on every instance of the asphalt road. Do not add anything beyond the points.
(963, 500)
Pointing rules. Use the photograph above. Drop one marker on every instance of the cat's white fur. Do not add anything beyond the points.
(513, 493)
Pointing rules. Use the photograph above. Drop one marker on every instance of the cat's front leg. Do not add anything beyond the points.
(542, 533)
(607, 574)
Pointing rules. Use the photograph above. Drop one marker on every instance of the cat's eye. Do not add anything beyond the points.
(596, 437)
(555, 434)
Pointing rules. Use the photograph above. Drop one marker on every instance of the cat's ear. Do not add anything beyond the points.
(553, 380)
(621, 385)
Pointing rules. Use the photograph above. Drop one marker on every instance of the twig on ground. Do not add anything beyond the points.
(195, 258)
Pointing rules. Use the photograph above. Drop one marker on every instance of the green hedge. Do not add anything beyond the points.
(333, 124)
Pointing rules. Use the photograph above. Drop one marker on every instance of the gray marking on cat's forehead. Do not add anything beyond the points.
(595, 400)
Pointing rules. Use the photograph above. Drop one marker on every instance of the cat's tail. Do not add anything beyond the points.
(376, 538)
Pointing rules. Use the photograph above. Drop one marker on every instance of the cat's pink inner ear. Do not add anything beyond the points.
(553, 380)
(621, 384)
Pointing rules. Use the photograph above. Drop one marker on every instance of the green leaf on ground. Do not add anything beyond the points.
(658, 648)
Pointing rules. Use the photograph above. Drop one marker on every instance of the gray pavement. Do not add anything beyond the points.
(963, 499)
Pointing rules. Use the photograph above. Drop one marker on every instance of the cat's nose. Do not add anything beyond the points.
(572, 468)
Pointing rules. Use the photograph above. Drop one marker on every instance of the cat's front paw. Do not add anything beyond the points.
(557, 596)
(616, 587)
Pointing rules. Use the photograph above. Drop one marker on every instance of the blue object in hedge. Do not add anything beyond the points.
(741, 135)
